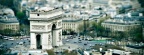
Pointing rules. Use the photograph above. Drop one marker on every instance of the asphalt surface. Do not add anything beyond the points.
(81, 45)
(72, 44)
(11, 43)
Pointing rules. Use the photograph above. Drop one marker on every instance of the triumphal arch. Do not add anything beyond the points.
(45, 28)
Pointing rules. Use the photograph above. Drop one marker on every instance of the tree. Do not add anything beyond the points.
(8, 32)
(92, 29)
(20, 15)
(25, 29)
(141, 2)
(136, 34)
(8, 3)
(67, 52)
(50, 52)
(2, 52)
(81, 28)
(64, 32)
(103, 19)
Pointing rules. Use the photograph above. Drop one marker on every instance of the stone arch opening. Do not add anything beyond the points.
(53, 35)
(38, 41)
(53, 27)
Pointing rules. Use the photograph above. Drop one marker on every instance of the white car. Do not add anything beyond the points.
(11, 39)
(67, 40)
(6, 38)
(20, 43)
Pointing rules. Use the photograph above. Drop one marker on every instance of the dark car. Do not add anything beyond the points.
(75, 42)
(79, 42)
(85, 44)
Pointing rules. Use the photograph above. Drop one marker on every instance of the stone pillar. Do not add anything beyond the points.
(59, 37)
(33, 41)
(45, 41)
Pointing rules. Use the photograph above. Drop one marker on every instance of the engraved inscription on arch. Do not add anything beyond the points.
(38, 27)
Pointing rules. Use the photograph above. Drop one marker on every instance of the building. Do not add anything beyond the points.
(71, 21)
(8, 20)
(116, 3)
(45, 27)
(121, 23)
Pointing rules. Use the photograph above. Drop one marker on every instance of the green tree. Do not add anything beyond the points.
(136, 34)
(8, 3)
(102, 19)
(92, 29)
(2, 52)
(67, 52)
(20, 15)
(25, 29)
(50, 52)
(8, 32)
(81, 28)
(141, 2)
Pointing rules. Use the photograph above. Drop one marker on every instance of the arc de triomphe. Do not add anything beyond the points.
(45, 28)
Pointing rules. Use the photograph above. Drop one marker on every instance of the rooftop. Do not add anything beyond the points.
(9, 20)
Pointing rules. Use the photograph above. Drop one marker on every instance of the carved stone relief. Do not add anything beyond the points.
(38, 27)
(49, 40)
(60, 36)
(49, 26)
(59, 23)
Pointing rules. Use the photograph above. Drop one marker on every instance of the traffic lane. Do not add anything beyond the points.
(11, 43)
(89, 43)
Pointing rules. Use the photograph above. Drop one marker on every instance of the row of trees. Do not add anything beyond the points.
(68, 32)
(66, 52)
(9, 32)
(95, 29)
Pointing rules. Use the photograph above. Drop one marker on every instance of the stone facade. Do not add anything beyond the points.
(47, 24)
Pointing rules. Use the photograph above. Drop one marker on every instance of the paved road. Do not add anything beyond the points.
(89, 43)
(11, 43)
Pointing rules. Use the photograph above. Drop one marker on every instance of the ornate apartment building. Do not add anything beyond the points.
(8, 20)
(71, 21)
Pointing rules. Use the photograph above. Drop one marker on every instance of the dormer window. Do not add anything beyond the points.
(38, 14)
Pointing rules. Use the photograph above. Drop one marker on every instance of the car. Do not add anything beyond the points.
(20, 43)
(85, 44)
(78, 38)
(67, 40)
(1, 46)
(79, 42)
(75, 42)
(6, 38)
(11, 39)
